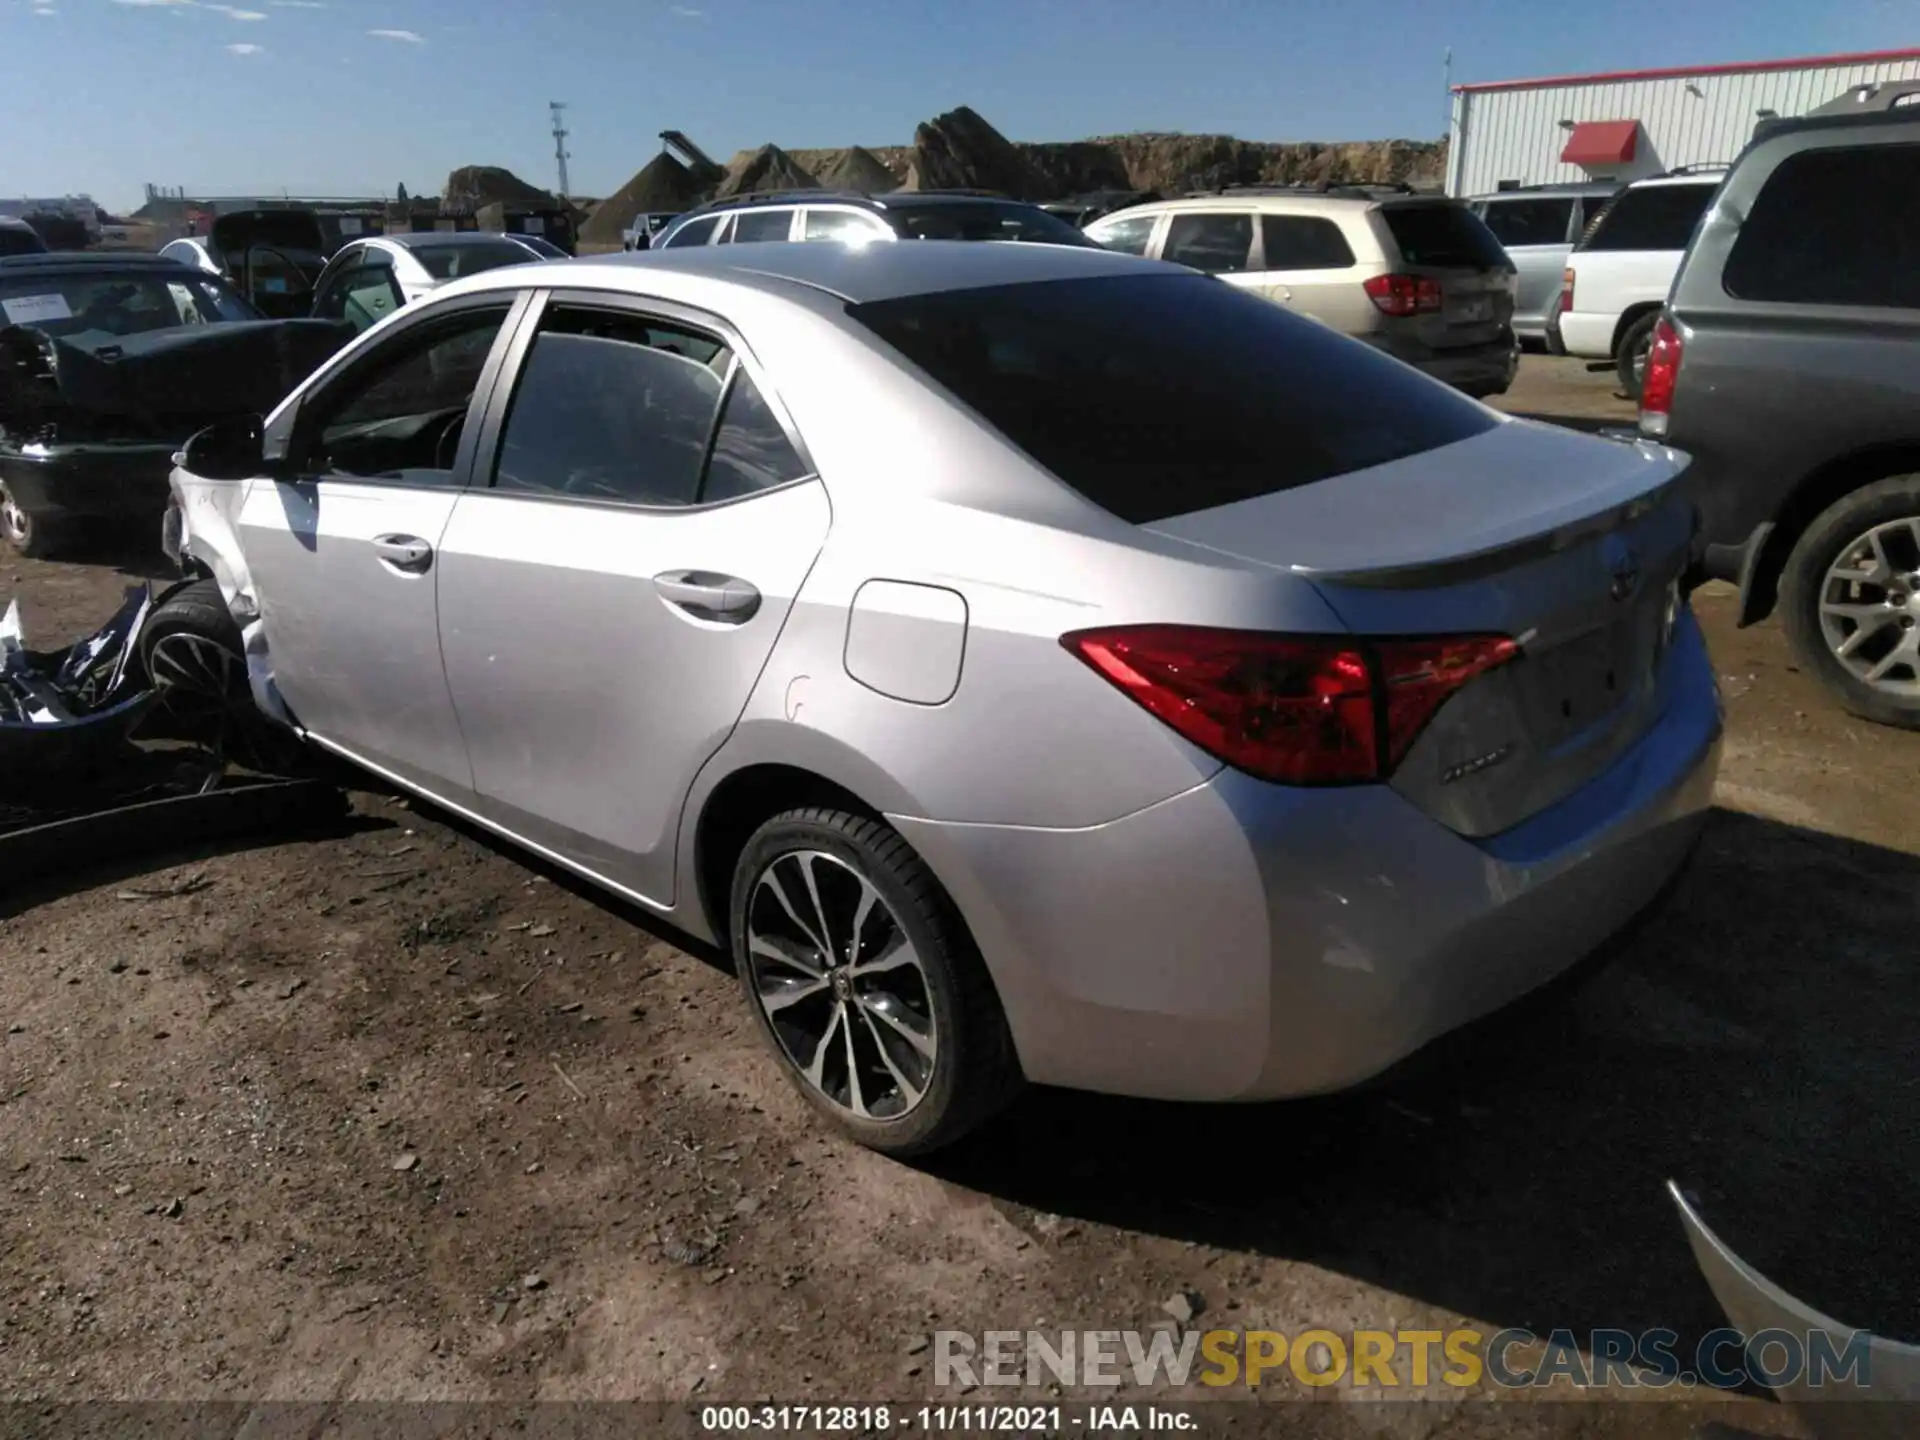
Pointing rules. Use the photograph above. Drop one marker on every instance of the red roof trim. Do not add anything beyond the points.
(1601, 142)
(1749, 67)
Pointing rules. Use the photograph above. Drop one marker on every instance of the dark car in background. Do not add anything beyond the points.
(857, 218)
(107, 364)
(19, 238)
(1788, 364)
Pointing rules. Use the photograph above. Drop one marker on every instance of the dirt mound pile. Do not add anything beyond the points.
(857, 169)
(961, 151)
(663, 184)
(768, 168)
(472, 186)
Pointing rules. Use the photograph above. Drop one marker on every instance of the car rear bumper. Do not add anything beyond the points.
(93, 481)
(1478, 369)
(1587, 334)
(1246, 941)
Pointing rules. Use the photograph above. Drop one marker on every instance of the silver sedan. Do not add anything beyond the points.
(1032, 662)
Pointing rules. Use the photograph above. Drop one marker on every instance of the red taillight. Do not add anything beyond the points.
(1298, 709)
(1566, 291)
(1663, 369)
(1402, 295)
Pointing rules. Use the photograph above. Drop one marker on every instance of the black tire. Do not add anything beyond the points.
(1631, 359)
(973, 1071)
(34, 537)
(1819, 547)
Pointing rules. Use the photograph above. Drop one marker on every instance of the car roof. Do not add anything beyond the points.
(11, 222)
(83, 261)
(436, 239)
(1706, 177)
(855, 274)
(891, 200)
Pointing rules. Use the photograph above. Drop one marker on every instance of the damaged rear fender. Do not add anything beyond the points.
(209, 513)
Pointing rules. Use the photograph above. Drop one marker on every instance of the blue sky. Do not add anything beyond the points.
(347, 96)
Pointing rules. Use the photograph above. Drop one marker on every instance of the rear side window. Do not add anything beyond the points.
(612, 407)
(1159, 395)
(694, 232)
(1834, 227)
(1530, 222)
(1216, 243)
(750, 450)
(1446, 235)
(1303, 242)
(1650, 217)
(751, 226)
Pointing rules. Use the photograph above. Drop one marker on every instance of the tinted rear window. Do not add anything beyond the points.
(1651, 217)
(1530, 222)
(450, 262)
(1443, 235)
(1834, 227)
(1160, 395)
(20, 242)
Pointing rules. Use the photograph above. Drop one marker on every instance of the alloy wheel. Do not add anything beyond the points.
(1870, 607)
(13, 520)
(841, 986)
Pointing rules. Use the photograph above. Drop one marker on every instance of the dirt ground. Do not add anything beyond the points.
(387, 1113)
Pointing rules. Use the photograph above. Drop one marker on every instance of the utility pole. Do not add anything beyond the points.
(560, 143)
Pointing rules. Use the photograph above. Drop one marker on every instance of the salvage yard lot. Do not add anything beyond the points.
(387, 1113)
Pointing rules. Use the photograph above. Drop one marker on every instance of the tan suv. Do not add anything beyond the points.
(1418, 276)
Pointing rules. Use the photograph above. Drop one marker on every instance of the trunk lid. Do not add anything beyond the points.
(1446, 242)
(1569, 545)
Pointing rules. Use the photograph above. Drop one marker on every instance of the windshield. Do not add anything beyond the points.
(128, 303)
(1157, 395)
(981, 220)
(450, 262)
(1650, 217)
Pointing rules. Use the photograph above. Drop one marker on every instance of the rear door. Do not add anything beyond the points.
(614, 582)
(1443, 241)
(1305, 263)
(756, 226)
(358, 286)
(1217, 242)
(1537, 232)
(346, 554)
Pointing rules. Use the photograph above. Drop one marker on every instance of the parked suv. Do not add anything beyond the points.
(19, 238)
(1537, 226)
(1420, 277)
(833, 215)
(1618, 276)
(1789, 366)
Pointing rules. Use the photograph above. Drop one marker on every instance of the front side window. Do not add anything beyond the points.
(613, 407)
(1129, 234)
(1303, 242)
(1834, 227)
(694, 232)
(1156, 394)
(1529, 222)
(1649, 217)
(401, 419)
(1219, 244)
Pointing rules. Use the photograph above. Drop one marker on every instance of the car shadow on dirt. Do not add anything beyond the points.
(1753, 1040)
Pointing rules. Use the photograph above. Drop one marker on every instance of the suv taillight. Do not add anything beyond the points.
(1566, 290)
(1297, 709)
(1402, 295)
(1656, 385)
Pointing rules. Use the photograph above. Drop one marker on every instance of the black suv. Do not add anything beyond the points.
(1788, 364)
(851, 216)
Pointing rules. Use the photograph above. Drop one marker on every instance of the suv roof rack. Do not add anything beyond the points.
(1699, 169)
(1345, 190)
(776, 197)
(958, 190)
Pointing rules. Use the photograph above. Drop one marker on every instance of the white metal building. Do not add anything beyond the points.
(1632, 123)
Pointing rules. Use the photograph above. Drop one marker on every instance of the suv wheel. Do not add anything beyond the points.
(1635, 346)
(864, 983)
(1850, 598)
(32, 535)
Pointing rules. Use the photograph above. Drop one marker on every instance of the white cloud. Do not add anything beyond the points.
(405, 37)
(688, 12)
(46, 10)
(234, 12)
(296, 4)
(145, 3)
(246, 49)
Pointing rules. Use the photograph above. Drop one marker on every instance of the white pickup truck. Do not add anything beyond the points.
(1619, 273)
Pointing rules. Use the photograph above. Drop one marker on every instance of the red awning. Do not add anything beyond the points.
(1601, 142)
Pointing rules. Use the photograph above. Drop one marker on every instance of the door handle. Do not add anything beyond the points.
(707, 596)
(404, 552)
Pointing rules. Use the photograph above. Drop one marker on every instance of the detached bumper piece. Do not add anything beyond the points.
(70, 712)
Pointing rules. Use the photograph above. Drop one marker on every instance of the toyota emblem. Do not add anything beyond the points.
(1624, 569)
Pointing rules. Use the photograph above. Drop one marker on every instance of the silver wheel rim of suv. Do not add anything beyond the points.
(13, 520)
(841, 985)
(1870, 607)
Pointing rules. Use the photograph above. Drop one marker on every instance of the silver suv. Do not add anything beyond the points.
(1418, 276)
(1537, 226)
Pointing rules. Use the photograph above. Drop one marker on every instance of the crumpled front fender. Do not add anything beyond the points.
(1887, 1404)
(209, 512)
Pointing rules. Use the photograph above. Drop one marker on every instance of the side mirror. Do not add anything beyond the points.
(230, 450)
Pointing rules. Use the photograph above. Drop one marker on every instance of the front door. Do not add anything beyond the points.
(345, 555)
(608, 601)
